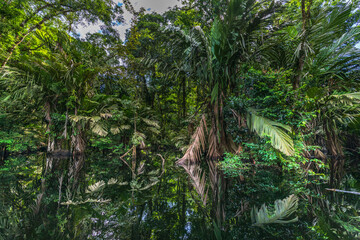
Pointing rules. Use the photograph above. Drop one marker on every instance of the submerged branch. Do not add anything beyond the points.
(342, 191)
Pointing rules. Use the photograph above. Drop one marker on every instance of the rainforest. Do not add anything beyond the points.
(214, 119)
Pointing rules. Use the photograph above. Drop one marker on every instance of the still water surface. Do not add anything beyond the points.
(102, 197)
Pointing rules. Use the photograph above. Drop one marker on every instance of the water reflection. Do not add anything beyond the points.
(100, 197)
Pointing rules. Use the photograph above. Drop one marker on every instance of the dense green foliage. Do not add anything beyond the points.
(184, 129)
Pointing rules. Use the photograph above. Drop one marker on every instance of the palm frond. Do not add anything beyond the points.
(194, 151)
(350, 96)
(98, 129)
(342, 108)
(338, 56)
(213, 144)
(124, 127)
(36, 207)
(152, 123)
(283, 209)
(106, 115)
(96, 187)
(70, 202)
(114, 130)
(276, 131)
(78, 118)
(154, 130)
(112, 181)
(198, 180)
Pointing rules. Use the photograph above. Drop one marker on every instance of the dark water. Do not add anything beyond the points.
(102, 197)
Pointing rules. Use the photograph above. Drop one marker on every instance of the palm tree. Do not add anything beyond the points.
(324, 46)
(332, 65)
(213, 59)
(37, 84)
(80, 65)
(334, 111)
(63, 78)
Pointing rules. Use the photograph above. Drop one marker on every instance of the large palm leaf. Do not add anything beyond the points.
(197, 146)
(337, 57)
(283, 210)
(276, 131)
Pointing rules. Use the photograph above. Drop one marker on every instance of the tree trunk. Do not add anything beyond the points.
(77, 138)
(184, 97)
(3, 154)
(219, 140)
(337, 160)
(301, 58)
(218, 186)
(76, 175)
(51, 140)
(145, 90)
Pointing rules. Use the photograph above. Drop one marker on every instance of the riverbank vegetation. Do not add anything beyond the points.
(213, 120)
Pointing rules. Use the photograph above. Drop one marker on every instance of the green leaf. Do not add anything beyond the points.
(283, 209)
(276, 131)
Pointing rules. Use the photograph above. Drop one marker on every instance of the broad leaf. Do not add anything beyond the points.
(283, 209)
(276, 131)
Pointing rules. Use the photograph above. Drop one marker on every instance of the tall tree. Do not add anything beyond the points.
(21, 18)
(215, 58)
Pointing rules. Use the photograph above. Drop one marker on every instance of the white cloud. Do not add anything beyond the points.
(159, 6)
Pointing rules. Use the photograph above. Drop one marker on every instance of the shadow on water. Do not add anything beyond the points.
(63, 197)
